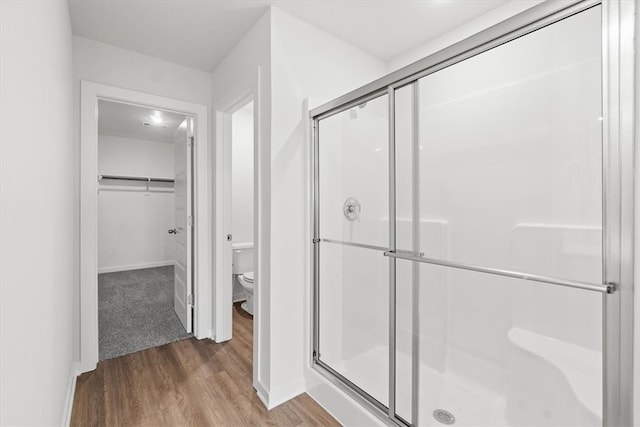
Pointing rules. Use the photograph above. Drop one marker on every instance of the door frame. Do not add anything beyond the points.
(224, 328)
(90, 94)
(223, 292)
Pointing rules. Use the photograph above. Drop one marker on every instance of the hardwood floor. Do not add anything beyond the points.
(188, 382)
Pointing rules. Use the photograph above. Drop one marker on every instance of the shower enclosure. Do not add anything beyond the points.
(468, 234)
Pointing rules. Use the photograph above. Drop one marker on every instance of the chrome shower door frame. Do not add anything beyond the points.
(618, 86)
(617, 287)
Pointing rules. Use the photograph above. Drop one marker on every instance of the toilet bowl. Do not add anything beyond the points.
(243, 261)
(246, 280)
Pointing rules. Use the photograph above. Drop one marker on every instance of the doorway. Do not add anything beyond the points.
(230, 317)
(242, 240)
(144, 200)
(240, 252)
(198, 321)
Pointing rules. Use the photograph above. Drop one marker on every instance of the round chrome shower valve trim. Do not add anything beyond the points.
(351, 209)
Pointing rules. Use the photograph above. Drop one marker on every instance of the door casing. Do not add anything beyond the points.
(90, 94)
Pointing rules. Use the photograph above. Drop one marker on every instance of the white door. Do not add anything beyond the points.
(183, 294)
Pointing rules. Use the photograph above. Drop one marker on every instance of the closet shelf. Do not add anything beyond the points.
(134, 178)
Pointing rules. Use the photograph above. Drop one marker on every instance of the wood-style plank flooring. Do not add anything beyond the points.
(188, 382)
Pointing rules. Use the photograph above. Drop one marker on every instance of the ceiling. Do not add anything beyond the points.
(200, 33)
(126, 120)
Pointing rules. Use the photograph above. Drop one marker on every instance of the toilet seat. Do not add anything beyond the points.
(248, 277)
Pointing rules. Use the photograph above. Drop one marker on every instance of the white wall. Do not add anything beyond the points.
(242, 174)
(36, 212)
(306, 63)
(296, 61)
(133, 223)
(118, 155)
(102, 63)
(245, 72)
(482, 22)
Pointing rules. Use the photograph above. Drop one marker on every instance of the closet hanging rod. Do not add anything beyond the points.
(134, 178)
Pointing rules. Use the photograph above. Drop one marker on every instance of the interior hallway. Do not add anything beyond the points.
(188, 382)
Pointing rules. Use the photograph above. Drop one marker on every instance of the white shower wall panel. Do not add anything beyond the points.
(511, 136)
(572, 251)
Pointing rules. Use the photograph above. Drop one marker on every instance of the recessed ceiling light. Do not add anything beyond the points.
(156, 119)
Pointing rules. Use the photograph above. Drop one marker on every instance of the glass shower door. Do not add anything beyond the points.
(499, 188)
(352, 219)
(459, 270)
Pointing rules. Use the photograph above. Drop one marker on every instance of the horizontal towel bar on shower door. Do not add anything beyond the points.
(609, 288)
(356, 245)
(134, 178)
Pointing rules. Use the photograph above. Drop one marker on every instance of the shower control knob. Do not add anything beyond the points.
(351, 209)
(172, 231)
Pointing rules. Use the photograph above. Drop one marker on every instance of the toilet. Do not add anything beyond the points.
(243, 272)
(246, 280)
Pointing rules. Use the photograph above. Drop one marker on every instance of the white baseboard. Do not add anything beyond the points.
(207, 334)
(86, 366)
(71, 391)
(276, 397)
(135, 266)
(262, 393)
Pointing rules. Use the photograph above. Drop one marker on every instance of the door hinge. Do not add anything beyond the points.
(190, 141)
(190, 300)
(190, 220)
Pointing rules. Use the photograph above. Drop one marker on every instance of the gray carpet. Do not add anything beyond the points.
(135, 311)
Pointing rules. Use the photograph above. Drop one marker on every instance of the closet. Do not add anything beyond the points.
(136, 228)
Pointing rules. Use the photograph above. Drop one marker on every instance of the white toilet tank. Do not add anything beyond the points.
(242, 257)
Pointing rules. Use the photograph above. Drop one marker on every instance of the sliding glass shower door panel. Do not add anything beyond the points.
(511, 155)
(353, 174)
(497, 351)
(499, 166)
(354, 316)
(353, 232)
